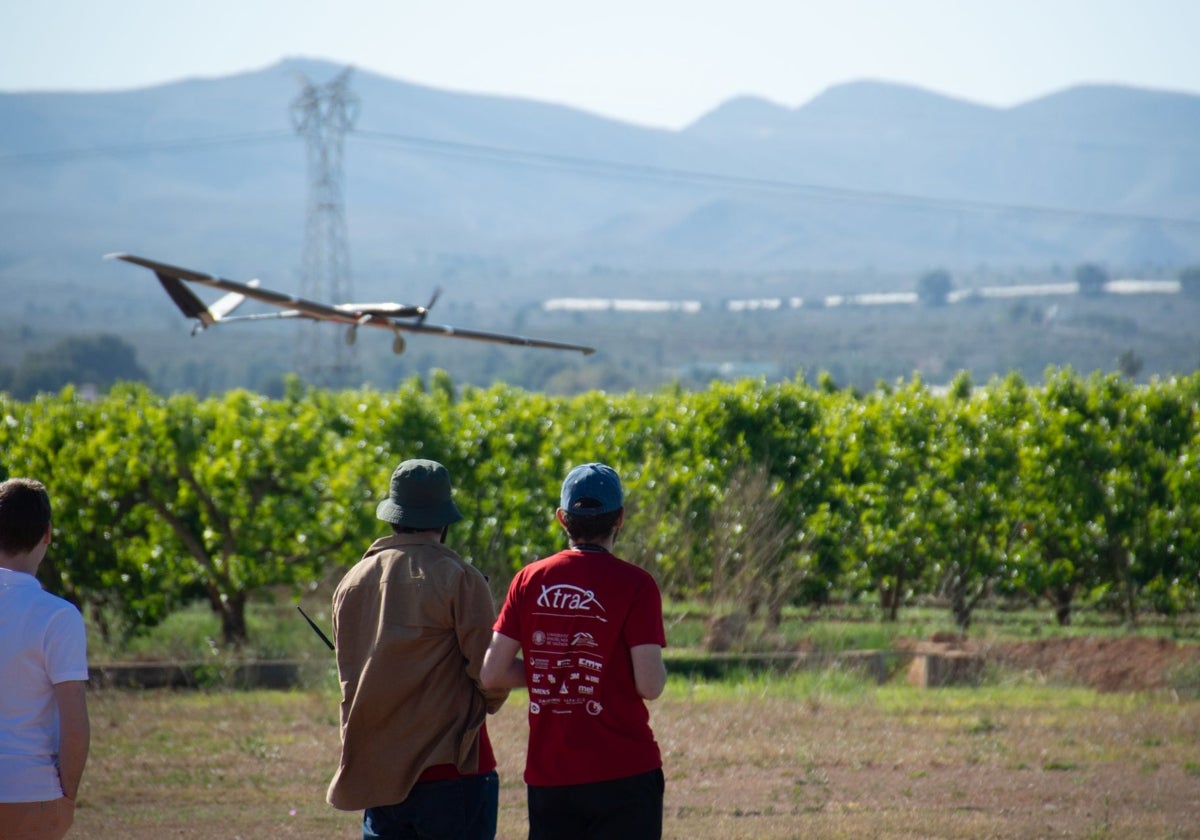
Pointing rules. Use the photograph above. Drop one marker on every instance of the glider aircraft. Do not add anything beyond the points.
(395, 317)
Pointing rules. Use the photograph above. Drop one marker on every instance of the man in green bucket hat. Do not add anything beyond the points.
(411, 624)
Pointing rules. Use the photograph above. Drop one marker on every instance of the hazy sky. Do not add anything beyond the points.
(654, 62)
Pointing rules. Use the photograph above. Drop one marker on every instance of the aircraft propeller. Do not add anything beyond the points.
(425, 309)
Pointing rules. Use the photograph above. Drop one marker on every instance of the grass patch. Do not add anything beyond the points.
(759, 755)
(193, 633)
(1184, 681)
(1059, 766)
(277, 631)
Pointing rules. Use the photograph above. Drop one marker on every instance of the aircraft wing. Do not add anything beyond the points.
(492, 337)
(429, 329)
(303, 308)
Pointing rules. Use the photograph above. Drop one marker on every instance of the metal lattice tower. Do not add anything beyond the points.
(322, 115)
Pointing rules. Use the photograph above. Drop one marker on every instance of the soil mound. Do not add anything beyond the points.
(1106, 664)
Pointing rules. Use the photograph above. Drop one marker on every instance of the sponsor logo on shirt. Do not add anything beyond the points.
(564, 597)
(584, 662)
(583, 640)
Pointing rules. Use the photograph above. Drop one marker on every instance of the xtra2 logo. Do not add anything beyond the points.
(568, 598)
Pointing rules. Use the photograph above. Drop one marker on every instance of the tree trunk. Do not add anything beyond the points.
(1120, 562)
(1062, 596)
(232, 610)
(962, 611)
(889, 597)
(886, 596)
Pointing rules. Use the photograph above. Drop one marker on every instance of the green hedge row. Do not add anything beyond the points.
(751, 496)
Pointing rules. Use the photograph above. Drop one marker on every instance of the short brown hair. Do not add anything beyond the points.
(24, 515)
(581, 527)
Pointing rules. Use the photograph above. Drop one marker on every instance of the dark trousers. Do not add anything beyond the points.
(620, 809)
(455, 809)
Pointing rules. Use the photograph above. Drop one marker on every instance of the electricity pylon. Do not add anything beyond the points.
(322, 115)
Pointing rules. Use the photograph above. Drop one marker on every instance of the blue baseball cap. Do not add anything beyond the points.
(591, 489)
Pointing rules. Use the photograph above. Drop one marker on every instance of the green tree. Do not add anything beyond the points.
(245, 493)
(1174, 529)
(978, 479)
(501, 444)
(1129, 363)
(747, 494)
(934, 287)
(1064, 450)
(98, 361)
(1091, 279)
(888, 444)
(1152, 430)
(79, 448)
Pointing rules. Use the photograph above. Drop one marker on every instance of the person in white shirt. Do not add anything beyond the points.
(44, 728)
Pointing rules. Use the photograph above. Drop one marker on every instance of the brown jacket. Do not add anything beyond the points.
(411, 622)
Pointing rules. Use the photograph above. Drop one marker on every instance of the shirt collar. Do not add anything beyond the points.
(11, 577)
(394, 540)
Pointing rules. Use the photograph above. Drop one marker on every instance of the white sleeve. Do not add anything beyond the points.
(66, 646)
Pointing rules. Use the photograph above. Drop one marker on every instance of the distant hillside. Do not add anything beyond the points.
(505, 197)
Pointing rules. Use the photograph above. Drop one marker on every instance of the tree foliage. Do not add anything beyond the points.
(748, 495)
(84, 361)
(1091, 279)
(934, 287)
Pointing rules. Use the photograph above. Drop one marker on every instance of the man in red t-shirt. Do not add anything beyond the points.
(590, 626)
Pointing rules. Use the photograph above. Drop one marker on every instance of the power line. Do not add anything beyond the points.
(133, 149)
(607, 168)
(642, 172)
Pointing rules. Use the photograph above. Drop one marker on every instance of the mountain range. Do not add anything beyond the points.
(512, 197)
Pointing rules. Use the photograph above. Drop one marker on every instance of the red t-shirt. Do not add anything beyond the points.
(576, 615)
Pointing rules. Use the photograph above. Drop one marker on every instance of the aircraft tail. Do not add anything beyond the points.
(193, 307)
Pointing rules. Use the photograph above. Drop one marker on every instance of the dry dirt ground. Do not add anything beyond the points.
(1105, 664)
(758, 763)
(1121, 768)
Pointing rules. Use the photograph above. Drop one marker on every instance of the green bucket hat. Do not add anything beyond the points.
(419, 497)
